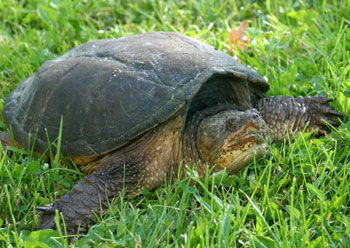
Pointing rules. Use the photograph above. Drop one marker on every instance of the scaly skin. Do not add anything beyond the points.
(218, 141)
(91, 196)
(285, 115)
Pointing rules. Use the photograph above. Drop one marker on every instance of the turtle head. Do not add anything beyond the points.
(231, 138)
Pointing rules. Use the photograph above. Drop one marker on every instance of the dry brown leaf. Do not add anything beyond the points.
(237, 37)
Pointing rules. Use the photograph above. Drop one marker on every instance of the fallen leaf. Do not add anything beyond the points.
(237, 37)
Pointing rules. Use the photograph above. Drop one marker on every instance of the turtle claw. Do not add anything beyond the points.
(335, 113)
(323, 100)
(47, 220)
(328, 110)
(329, 121)
(323, 115)
(47, 217)
(47, 208)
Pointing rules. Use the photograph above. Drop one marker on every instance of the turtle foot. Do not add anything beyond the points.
(47, 217)
(47, 220)
(322, 115)
(76, 209)
(284, 114)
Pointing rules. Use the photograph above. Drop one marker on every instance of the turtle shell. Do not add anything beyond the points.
(106, 93)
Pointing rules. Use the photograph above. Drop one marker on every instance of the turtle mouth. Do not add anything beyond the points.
(247, 139)
(252, 132)
(242, 146)
(245, 142)
(234, 156)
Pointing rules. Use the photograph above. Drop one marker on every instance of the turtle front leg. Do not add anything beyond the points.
(90, 197)
(289, 115)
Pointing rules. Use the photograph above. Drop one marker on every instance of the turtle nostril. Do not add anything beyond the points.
(255, 116)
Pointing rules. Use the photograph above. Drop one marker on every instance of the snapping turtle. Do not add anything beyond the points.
(134, 108)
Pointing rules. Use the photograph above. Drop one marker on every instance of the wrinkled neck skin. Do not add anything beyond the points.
(225, 137)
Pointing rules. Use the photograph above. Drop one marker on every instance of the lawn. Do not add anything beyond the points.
(298, 196)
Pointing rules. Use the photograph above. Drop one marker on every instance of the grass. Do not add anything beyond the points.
(296, 197)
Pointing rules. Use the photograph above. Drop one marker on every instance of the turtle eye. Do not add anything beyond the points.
(231, 124)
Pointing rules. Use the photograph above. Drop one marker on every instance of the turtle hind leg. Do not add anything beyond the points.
(91, 196)
(289, 115)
